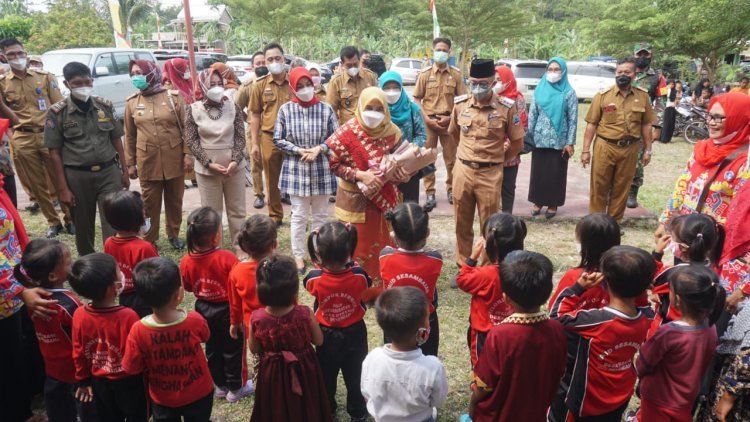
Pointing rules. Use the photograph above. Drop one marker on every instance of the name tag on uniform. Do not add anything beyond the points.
(431, 79)
(610, 108)
(140, 107)
(69, 124)
(42, 103)
(492, 116)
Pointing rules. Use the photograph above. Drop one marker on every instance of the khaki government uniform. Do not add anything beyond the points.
(92, 169)
(30, 97)
(154, 143)
(343, 92)
(478, 174)
(435, 90)
(266, 98)
(617, 145)
(242, 99)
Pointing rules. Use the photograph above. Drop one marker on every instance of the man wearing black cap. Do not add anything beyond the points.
(480, 122)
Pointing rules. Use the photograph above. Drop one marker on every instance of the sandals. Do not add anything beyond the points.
(536, 211)
(303, 268)
(549, 214)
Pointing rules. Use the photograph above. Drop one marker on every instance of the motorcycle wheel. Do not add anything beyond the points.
(695, 131)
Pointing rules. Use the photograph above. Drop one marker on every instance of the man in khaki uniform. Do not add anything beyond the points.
(619, 118)
(480, 123)
(30, 93)
(344, 88)
(156, 151)
(435, 90)
(242, 99)
(269, 93)
(85, 144)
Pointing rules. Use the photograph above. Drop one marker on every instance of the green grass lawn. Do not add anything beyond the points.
(553, 238)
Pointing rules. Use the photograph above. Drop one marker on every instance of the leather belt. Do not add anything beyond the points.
(475, 165)
(433, 116)
(620, 142)
(95, 168)
(30, 129)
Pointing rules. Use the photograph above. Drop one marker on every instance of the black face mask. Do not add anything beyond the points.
(642, 62)
(261, 71)
(623, 81)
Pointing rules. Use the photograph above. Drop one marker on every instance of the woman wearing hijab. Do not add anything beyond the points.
(316, 74)
(507, 87)
(177, 75)
(408, 117)
(552, 128)
(368, 136)
(713, 180)
(231, 83)
(155, 150)
(215, 133)
(302, 127)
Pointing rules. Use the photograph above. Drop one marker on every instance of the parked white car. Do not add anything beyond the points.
(408, 68)
(527, 73)
(588, 78)
(109, 67)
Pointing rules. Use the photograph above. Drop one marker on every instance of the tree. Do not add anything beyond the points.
(132, 12)
(13, 7)
(276, 20)
(15, 26)
(69, 24)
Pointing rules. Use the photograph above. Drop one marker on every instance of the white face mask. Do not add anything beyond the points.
(276, 68)
(353, 71)
(145, 227)
(186, 76)
(554, 77)
(499, 87)
(372, 119)
(122, 284)
(726, 138)
(215, 94)
(676, 250)
(18, 64)
(305, 94)
(392, 95)
(316, 81)
(83, 93)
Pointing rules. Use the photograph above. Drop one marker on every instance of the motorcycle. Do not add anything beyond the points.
(691, 121)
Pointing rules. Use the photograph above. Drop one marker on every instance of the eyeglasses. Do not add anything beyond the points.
(15, 54)
(716, 118)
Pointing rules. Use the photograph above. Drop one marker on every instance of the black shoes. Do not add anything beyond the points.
(450, 198)
(53, 231)
(633, 197)
(70, 228)
(285, 199)
(259, 202)
(430, 204)
(33, 208)
(177, 243)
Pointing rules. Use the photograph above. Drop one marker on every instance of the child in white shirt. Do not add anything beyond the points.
(399, 383)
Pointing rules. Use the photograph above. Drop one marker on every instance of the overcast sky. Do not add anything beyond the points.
(41, 5)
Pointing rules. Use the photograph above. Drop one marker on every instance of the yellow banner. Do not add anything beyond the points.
(114, 10)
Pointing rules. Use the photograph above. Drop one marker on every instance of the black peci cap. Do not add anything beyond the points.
(482, 68)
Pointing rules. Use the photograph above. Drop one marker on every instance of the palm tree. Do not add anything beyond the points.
(132, 12)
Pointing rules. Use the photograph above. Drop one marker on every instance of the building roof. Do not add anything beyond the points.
(205, 13)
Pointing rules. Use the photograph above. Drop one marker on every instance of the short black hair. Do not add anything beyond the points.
(410, 222)
(745, 78)
(8, 42)
(39, 259)
(400, 312)
(628, 270)
(202, 224)
(443, 40)
(526, 277)
(277, 281)
(256, 54)
(74, 69)
(156, 280)
(124, 210)
(503, 233)
(332, 244)
(348, 52)
(597, 233)
(627, 60)
(91, 275)
(271, 46)
(362, 52)
(257, 235)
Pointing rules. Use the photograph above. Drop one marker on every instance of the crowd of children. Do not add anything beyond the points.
(131, 353)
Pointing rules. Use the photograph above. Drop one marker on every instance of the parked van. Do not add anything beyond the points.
(588, 78)
(527, 73)
(109, 67)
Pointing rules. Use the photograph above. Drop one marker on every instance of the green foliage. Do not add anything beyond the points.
(16, 26)
(13, 7)
(69, 24)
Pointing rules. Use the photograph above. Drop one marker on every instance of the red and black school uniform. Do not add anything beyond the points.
(243, 294)
(56, 344)
(339, 310)
(487, 305)
(172, 359)
(420, 269)
(206, 274)
(99, 338)
(129, 252)
(603, 377)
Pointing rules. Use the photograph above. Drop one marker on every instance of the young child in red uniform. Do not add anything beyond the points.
(100, 331)
(46, 264)
(290, 382)
(603, 377)
(166, 346)
(205, 272)
(124, 212)
(411, 265)
(672, 363)
(337, 287)
(524, 357)
(502, 234)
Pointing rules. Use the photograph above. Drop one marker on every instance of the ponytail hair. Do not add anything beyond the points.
(503, 234)
(202, 224)
(277, 281)
(702, 235)
(700, 291)
(411, 224)
(332, 244)
(39, 259)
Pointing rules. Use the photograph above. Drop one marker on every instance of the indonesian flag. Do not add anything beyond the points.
(435, 24)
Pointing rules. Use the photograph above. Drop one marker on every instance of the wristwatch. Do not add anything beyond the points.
(324, 148)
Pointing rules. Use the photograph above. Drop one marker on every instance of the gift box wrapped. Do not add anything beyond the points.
(407, 156)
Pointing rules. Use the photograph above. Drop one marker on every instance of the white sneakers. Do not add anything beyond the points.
(237, 395)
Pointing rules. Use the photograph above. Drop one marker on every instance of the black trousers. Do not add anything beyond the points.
(197, 411)
(508, 193)
(15, 395)
(120, 400)
(410, 189)
(225, 355)
(134, 302)
(431, 346)
(344, 349)
(62, 406)
(10, 188)
(558, 412)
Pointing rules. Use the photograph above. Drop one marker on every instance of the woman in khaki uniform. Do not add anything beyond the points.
(155, 150)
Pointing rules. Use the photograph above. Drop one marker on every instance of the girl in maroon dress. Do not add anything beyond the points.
(290, 383)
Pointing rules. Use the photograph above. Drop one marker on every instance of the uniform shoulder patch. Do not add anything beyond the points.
(248, 81)
(426, 69)
(133, 95)
(642, 89)
(58, 106)
(507, 102)
(263, 77)
(101, 100)
(39, 71)
(460, 98)
(456, 69)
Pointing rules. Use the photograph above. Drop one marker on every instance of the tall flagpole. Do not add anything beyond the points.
(435, 24)
(119, 32)
(191, 45)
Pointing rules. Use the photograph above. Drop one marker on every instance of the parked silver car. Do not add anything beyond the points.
(408, 68)
(527, 73)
